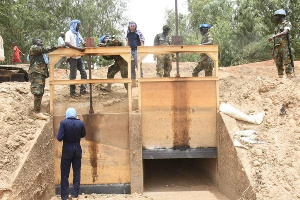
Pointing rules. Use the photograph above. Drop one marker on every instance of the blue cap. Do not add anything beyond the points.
(280, 12)
(103, 38)
(204, 26)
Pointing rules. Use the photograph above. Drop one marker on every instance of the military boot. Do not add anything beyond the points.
(280, 76)
(107, 88)
(289, 76)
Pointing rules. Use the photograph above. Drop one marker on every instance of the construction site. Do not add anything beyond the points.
(164, 139)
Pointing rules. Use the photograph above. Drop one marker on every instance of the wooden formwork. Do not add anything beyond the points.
(175, 113)
(179, 112)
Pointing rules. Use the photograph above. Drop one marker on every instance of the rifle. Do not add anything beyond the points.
(290, 51)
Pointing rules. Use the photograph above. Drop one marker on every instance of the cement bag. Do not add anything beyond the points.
(228, 109)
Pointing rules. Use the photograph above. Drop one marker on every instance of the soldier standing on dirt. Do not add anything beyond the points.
(134, 38)
(281, 54)
(205, 63)
(120, 64)
(73, 40)
(38, 72)
(71, 130)
(164, 61)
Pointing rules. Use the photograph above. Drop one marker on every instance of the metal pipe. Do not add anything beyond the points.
(90, 77)
(177, 54)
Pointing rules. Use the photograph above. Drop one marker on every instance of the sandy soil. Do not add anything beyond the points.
(273, 167)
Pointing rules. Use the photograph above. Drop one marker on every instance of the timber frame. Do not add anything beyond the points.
(177, 116)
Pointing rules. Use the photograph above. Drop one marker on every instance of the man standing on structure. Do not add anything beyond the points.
(206, 62)
(38, 72)
(134, 38)
(61, 42)
(71, 130)
(73, 40)
(164, 61)
(120, 64)
(16, 54)
(281, 53)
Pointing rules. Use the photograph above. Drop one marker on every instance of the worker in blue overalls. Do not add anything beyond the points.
(71, 130)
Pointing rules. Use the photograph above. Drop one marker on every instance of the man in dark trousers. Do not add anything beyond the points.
(38, 72)
(73, 40)
(71, 130)
(134, 38)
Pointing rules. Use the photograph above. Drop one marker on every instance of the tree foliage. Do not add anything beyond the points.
(240, 27)
(22, 20)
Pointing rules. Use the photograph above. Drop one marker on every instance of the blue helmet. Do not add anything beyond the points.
(280, 12)
(204, 26)
(103, 38)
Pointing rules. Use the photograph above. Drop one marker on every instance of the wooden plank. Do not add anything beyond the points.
(105, 158)
(178, 79)
(177, 48)
(179, 114)
(177, 153)
(136, 160)
(87, 81)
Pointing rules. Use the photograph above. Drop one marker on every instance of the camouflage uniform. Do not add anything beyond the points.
(205, 63)
(281, 54)
(38, 72)
(164, 61)
(120, 64)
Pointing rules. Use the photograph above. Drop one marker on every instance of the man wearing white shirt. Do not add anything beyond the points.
(61, 43)
(73, 40)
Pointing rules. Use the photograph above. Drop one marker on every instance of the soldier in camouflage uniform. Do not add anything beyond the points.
(120, 65)
(38, 72)
(205, 63)
(281, 54)
(164, 61)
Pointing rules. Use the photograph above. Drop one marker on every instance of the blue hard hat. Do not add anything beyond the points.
(103, 38)
(280, 12)
(204, 26)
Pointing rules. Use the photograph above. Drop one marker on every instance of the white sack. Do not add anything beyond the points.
(228, 109)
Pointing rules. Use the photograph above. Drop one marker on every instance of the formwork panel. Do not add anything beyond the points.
(105, 158)
(178, 114)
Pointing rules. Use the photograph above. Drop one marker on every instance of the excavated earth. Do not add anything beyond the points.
(273, 167)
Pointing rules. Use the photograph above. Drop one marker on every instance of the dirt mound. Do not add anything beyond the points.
(18, 131)
(274, 167)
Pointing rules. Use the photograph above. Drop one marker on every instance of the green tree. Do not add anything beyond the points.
(22, 20)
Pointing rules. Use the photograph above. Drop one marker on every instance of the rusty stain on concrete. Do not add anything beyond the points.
(92, 122)
(181, 116)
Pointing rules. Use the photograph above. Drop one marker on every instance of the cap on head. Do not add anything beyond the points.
(166, 27)
(280, 12)
(103, 38)
(71, 112)
(204, 26)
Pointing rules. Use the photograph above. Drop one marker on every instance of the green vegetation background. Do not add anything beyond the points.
(240, 27)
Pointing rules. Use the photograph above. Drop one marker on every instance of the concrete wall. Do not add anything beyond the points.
(35, 179)
(232, 178)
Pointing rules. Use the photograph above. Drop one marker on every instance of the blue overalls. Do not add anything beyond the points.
(71, 130)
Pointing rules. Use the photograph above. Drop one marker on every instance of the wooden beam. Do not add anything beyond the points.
(87, 81)
(179, 79)
(177, 153)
